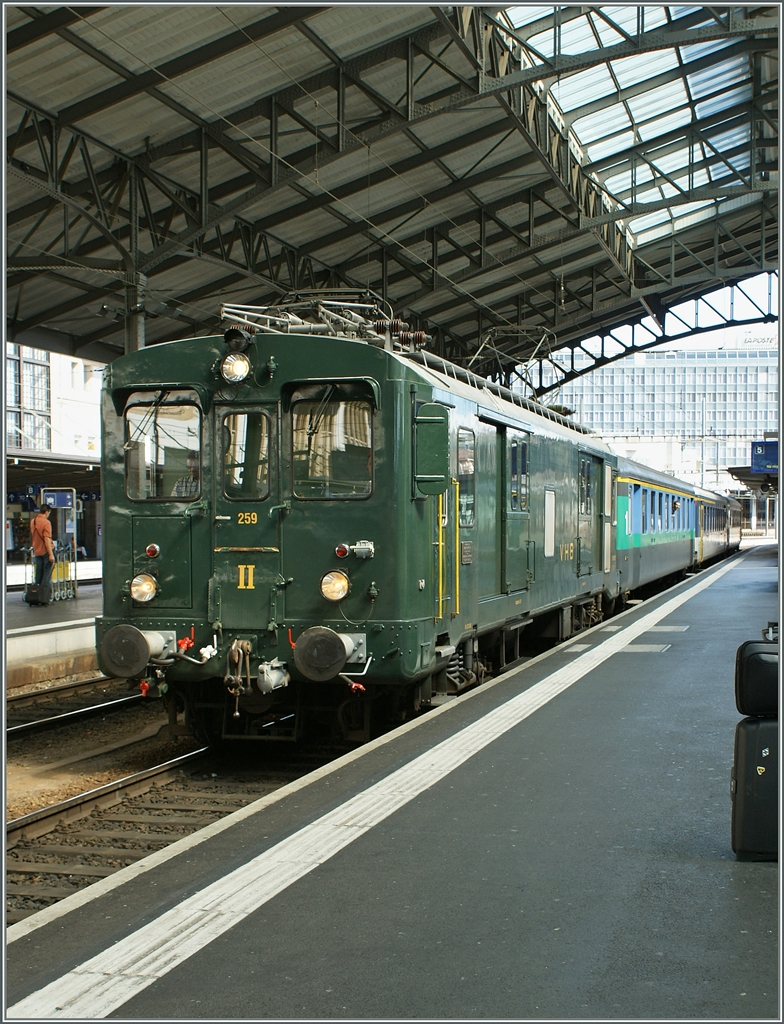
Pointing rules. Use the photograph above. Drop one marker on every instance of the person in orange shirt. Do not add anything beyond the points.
(43, 548)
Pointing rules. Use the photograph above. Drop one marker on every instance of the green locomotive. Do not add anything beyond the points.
(311, 522)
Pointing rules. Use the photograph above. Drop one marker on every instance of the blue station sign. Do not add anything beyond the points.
(765, 457)
(57, 498)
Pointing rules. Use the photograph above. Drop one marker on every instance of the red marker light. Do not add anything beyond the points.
(152, 550)
(342, 550)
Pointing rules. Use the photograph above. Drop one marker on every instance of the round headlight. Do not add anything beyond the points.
(334, 585)
(235, 367)
(144, 587)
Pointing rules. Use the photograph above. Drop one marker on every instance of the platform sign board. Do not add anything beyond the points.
(58, 497)
(765, 457)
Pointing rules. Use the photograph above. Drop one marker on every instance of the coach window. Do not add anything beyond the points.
(246, 443)
(466, 474)
(645, 510)
(518, 474)
(162, 447)
(332, 443)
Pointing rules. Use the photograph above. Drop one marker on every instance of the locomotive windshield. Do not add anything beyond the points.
(246, 444)
(162, 447)
(332, 445)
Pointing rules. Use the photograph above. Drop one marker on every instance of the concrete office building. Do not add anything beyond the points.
(689, 412)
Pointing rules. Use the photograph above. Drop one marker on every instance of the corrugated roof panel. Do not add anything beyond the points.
(348, 37)
(56, 73)
(127, 125)
(223, 86)
(139, 36)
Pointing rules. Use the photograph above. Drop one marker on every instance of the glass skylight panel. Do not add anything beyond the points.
(672, 161)
(724, 100)
(577, 37)
(725, 75)
(658, 101)
(631, 71)
(583, 87)
(521, 16)
(653, 129)
(608, 34)
(725, 141)
(696, 50)
(607, 146)
(601, 124)
(620, 184)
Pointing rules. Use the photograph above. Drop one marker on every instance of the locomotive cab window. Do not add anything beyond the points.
(332, 442)
(162, 447)
(246, 453)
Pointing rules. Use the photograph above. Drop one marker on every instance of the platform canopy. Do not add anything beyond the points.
(507, 177)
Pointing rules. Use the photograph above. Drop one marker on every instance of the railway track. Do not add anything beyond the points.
(48, 707)
(54, 852)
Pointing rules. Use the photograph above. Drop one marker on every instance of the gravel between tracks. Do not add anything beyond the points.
(46, 768)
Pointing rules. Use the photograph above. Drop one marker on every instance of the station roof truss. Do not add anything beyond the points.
(503, 176)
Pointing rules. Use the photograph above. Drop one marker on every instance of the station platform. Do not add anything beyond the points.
(552, 845)
(88, 571)
(55, 641)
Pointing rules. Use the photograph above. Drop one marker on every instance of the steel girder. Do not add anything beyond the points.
(553, 252)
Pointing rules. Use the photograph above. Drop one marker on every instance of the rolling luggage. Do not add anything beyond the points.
(755, 789)
(757, 678)
(35, 594)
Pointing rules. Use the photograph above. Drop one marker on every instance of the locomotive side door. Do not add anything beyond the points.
(516, 512)
(246, 542)
(589, 514)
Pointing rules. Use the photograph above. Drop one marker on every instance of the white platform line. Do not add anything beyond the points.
(101, 985)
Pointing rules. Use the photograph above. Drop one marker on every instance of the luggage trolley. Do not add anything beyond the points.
(63, 584)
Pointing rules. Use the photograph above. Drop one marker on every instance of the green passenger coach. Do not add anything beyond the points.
(311, 522)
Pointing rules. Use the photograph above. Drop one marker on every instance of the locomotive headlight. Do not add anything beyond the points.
(235, 367)
(334, 585)
(144, 587)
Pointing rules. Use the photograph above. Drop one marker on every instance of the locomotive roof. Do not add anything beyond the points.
(498, 402)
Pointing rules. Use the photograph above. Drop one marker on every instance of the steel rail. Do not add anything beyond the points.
(61, 689)
(17, 826)
(73, 716)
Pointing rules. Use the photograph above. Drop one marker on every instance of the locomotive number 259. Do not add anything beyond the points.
(247, 518)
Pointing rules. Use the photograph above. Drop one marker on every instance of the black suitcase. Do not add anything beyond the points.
(757, 678)
(35, 594)
(755, 790)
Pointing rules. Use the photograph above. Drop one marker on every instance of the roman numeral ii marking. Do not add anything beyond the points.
(246, 577)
